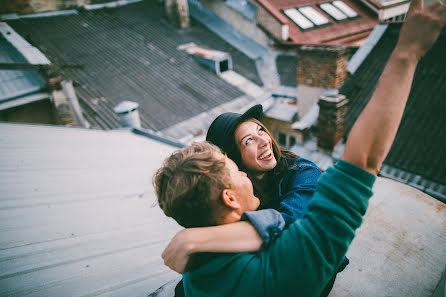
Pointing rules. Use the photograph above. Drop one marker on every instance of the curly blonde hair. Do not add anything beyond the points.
(190, 183)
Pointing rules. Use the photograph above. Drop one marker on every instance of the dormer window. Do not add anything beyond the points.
(338, 10)
(298, 18)
(345, 8)
(306, 17)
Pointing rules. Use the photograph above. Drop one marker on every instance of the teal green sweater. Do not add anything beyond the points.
(302, 260)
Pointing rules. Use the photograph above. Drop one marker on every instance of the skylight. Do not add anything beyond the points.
(298, 18)
(314, 16)
(345, 8)
(333, 11)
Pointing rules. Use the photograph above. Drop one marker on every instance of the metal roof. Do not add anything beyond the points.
(419, 147)
(130, 53)
(77, 213)
(16, 83)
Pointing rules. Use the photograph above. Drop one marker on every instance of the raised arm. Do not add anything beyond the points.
(373, 133)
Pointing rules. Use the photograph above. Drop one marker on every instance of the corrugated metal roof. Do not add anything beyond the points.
(130, 53)
(16, 83)
(77, 213)
(419, 147)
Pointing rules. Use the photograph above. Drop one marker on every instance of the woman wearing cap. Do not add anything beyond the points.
(282, 181)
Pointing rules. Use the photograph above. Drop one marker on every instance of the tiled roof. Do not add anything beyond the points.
(16, 83)
(346, 33)
(130, 53)
(420, 145)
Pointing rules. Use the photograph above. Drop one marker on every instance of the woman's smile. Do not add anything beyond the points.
(255, 147)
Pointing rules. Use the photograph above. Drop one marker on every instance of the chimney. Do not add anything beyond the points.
(330, 126)
(322, 66)
(128, 114)
(178, 12)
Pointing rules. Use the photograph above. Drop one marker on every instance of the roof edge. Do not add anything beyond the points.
(362, 53)
(160, 138)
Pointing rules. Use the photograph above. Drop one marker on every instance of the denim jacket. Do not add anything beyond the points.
(295, 191)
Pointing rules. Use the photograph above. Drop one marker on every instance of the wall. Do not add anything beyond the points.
(40, 112)
(275, 126)
(237, 20)
(34, 6)
(269, 23)
(324, 67)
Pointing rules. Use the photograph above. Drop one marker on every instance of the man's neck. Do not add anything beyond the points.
(231, 217)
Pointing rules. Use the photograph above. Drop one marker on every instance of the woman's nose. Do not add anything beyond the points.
(262, 141)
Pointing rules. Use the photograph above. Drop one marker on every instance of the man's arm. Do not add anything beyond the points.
(228, 238)
(374, 131)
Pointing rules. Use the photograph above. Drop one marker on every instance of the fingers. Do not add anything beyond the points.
(415, 5)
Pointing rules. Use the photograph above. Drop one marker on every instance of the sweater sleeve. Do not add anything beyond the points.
(307, 254)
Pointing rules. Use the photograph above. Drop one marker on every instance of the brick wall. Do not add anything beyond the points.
(324, 67)
(330, 127)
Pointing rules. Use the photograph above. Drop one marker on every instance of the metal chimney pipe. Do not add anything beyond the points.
(128, 114)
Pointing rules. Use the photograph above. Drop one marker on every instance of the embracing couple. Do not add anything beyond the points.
(260, 221)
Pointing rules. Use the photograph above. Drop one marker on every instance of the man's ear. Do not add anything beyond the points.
(229, 199)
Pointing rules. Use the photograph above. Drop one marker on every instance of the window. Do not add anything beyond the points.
(333, 11)
(298, 18)
(314, 16)
(282, 138)
(345, 8)
(292, 141)
(306, 17)
(338, 10)
(285, 140)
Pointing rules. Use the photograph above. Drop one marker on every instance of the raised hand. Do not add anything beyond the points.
(422, 28)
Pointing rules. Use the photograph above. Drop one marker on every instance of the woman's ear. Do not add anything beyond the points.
(229, 199)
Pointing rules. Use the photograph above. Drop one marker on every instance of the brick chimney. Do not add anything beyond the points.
(322, 66)
(177, 12)
(330, 126)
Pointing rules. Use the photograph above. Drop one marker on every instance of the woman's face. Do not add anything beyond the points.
(255, 147)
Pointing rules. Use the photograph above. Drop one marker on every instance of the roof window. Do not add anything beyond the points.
(306, 17)
(298, 18)
(338, 10)
(314, 16)
(345, 8)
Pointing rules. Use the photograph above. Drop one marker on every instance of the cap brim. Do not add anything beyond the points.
(255, 112)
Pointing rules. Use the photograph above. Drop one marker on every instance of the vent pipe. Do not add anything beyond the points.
(128, 114)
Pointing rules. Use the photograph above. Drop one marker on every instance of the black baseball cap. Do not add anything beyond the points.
(221, 131)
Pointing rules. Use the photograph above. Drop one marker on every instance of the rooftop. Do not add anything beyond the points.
(80, 220)
(16, 85)
(78, 213)
(419, 148)
(315, 22)
(131, 53)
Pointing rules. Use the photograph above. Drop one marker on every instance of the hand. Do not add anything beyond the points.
(176, 254)
(421, 28)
